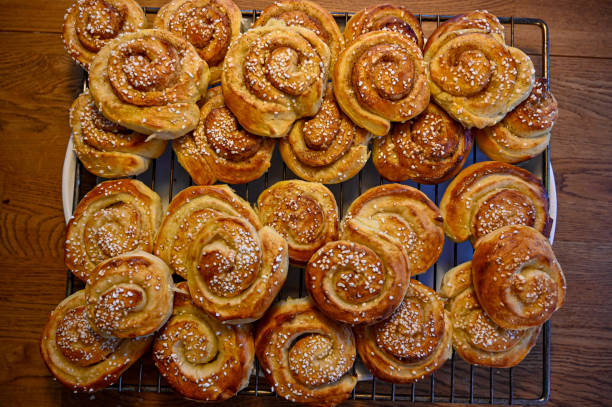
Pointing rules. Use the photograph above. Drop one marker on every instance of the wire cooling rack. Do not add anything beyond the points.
(457, 381)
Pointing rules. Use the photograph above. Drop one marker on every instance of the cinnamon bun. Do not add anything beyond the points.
(381, 78)
(115, 217)
(201, 358)
(220, 149)
(488, 195)
(476, 338)
(79, 357)
(306, 357)
(149, 81)
(107, 149)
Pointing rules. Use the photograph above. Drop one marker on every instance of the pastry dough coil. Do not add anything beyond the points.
(406, 216)
(429, 149)
(525, 131)
(201, 358)
(476, 338)
(488, 195)
(517, 278)
(130, 295)
(209, 25)
(274, 75)
(78, 356)
(233, 266)
(91, 24)
(380, 78)
(306, 357)
(412, 343)
(476, 78)
(220, 149)
(304, 213)
(359, 279)
(149, 81)
(115, 217)
(106, 149)
(326, 148)
(308, 14)
(386, 17)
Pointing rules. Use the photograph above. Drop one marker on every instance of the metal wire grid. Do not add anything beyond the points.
(137, 377)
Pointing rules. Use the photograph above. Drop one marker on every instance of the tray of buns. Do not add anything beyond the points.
(333, 206)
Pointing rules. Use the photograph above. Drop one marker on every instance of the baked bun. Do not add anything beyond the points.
(407, 217)
(476, 338)
(186, 215)
(488, 195)
(308, 14)
(517, 278)
(274, 75)
(304, 213)
(80, 358)
(306, 357)
(475, 77)
(525, 131)
(220, 149)
(429, 149)
(480, 20)
(359, 279)
(327, 148)
(91, 24)
(107, 149)
(385, 17)
(156, 95)
(201, 358)
(234, 269)
(412, 343)
(381, 78)
(115, 217)
(209, 25)
(129, 295)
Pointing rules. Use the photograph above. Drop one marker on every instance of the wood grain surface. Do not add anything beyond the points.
(38, 82)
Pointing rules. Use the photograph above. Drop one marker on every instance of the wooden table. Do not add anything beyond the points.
(38, 82)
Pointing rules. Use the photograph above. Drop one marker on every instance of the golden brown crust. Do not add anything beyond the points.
(386, 17)
(380, 78)
(479, 19)
(157, 98)
(220, 149)
(517, 278)
(359, 279)
(209, 25)
(306, 14)
(430, 149)
(257, 89)
(234, 271)
(306, 357)
(304, 213)
(188, 212)
(106, 149)
(129, 295)
(488, 195)
(77, 356)
(91, 24)
(115, 217)
(215, 240)
(327, 148)
(201, 358)
(407, 217)
(476, 78)
(476, 338)
(412, 343)
(525, 131)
